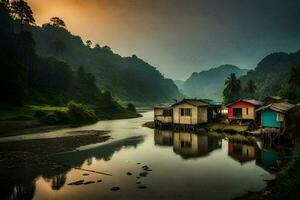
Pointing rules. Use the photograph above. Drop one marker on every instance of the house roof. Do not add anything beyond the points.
(251, 101)
(163, 106)
(274, 97)
(282, 107)
(211, 102)
(194, 102)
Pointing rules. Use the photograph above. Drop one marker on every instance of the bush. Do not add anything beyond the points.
(39, 114)
(79, 113)
(62, 116)
(131, 107)
(51, 119)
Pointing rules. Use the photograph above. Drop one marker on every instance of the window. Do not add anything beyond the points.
(246, 111)
(167, 112)
(237, 112)
(185, 111)
(280, 117)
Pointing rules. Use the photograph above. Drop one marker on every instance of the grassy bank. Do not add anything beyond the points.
(33, 118)
(287, 182)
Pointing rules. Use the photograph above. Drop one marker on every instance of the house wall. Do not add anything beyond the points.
(178, 119)
(202, 115)
(244, 106)
(158, 115)
(269, 119)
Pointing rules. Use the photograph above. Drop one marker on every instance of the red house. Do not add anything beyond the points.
(243, 110)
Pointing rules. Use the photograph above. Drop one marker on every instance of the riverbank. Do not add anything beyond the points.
(31, 119)
(286, 184)
(39, 152)
(219, 127)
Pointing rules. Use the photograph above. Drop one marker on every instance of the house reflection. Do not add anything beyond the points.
(163, 137)
(245, 152)
(187, 145)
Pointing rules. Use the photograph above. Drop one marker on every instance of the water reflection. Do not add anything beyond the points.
(243, 152)
(228, 167)
(23, 192)
(58, 181)
(187, 145)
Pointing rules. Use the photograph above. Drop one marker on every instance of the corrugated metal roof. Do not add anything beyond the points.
(194, 102)
(282, 107)
(162, 106)
(251, 101)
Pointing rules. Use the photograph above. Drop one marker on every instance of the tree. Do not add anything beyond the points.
(291, 90)
(57, 22)
(131, 107)
(250, 89)
(232, 89)
(20, 10)
(88, 43)
(97, 46)
(59, 46)
(5, 3)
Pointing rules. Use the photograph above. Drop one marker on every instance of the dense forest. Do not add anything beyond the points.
(278, 74)
(128, 78)
(30, 79)
(210, 83)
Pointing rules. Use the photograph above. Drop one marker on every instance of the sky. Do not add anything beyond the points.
(180, 37)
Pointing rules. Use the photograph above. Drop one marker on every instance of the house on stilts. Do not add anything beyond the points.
(243, 111)
(273, 119)
(186, 114)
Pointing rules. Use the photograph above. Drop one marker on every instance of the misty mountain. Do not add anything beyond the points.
(210, 83)
(179, 83)
(128, 78)
(272, 73)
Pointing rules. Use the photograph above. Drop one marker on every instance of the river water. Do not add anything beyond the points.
(180, 166)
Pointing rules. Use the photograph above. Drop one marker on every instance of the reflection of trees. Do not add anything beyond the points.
(89, 161)
(23, 192)
(58, 182)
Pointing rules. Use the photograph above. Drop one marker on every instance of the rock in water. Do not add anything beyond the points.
(115, 188)
(77, 182)
(89, 182)
(143, 174)
(142, 187)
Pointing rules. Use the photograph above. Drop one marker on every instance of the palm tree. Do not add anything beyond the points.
(250, 89)
(232, 89)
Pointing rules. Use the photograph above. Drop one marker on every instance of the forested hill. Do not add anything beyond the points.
(128, 78)
(210, 83)
(273, 74)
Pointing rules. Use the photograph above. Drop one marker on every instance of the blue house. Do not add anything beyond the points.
(274, 114)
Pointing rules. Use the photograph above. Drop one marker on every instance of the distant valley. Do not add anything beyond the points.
(209, 83)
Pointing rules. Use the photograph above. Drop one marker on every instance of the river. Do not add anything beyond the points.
(179, 165)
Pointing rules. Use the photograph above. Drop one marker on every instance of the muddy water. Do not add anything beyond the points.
(180, 166)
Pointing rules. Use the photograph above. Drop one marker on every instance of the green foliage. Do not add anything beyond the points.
(272, 76)
(20, 10)
(209, 84)
(128, 78)
(232, 89)
(39, 114)
(291, 90)
(249, 90)
(57, 22)
(80, 114)
(131, 107)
